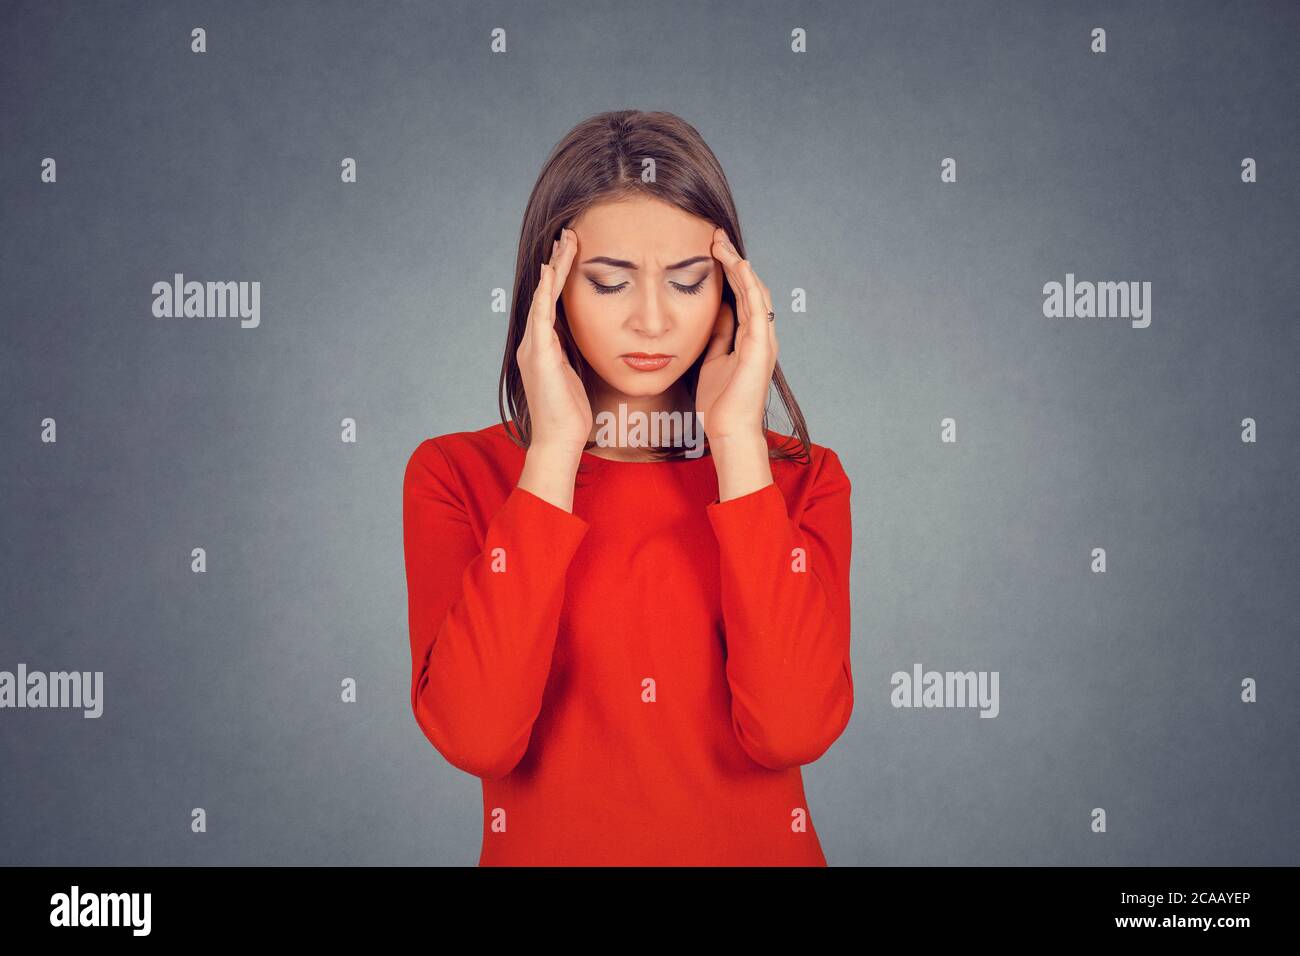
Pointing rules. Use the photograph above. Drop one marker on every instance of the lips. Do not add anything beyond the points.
(646, 361)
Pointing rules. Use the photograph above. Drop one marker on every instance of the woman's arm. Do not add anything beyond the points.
(785, 603)
(483, 618)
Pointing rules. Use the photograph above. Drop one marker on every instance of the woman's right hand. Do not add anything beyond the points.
(558, 407)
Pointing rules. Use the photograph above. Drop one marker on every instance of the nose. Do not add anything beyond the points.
(651, 317)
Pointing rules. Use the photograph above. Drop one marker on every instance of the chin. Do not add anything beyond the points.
(645, 384)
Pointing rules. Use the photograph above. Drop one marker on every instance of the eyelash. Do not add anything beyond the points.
(611, 289)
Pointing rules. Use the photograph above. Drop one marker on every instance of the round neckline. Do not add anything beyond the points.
(588, 456)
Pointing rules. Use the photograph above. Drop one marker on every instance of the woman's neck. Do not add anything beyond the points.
(610, 406)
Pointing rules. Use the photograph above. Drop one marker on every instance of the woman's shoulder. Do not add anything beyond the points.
(818, 457)
(490, 438)
(821, 467)
(464, 450)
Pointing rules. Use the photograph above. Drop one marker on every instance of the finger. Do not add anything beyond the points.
(767, 304)
(755, 325)
(767, 293)
(538, 322)
(565, 251)
(723, 329)
(752, 298)
(559, 348)
(726, 253)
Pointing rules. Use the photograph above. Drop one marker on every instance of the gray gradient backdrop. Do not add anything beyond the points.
(222, 690)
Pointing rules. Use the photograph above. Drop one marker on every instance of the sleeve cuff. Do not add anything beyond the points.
(563, 530)
(749, 514)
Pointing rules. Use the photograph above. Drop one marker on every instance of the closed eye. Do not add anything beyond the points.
(611, 289)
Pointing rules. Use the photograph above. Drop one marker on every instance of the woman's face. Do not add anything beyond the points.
(643, 280)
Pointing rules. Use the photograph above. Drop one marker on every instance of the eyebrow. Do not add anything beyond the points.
(624, 264)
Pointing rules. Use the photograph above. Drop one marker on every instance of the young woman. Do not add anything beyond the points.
(634, 643)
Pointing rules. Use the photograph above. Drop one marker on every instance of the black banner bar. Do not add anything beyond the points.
(216, 904)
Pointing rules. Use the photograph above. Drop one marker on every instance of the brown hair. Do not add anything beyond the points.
(600, 160)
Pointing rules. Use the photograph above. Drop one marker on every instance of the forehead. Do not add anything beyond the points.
(642, 229)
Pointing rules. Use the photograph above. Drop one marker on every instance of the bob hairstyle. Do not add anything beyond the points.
(600, 160)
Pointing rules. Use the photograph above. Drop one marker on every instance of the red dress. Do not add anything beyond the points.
(636, 682)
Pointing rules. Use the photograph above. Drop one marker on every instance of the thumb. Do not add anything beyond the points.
(724, 328)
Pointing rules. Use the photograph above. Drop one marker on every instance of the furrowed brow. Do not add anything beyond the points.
(624, 264)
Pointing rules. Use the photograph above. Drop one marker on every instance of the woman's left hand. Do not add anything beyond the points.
(731, 394)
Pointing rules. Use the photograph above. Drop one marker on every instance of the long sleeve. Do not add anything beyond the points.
(785, 602)
(483, 616)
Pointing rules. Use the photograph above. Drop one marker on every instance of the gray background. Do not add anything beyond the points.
(1118, 690)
